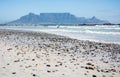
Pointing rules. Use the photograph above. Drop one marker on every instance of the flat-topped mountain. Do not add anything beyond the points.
(56, 18)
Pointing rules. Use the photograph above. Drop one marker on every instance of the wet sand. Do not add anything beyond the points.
(37, 54)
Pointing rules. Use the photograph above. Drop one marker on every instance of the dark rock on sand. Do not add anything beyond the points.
(94, 76)
(13, 72)
(48, 65)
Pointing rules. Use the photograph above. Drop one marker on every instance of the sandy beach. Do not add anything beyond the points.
(38, 54)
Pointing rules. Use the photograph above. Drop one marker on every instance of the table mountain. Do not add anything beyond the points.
(56, 18)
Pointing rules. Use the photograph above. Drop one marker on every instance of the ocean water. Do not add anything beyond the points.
(99, 33)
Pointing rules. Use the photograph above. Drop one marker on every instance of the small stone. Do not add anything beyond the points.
(89, 64)
(61, 64)
(85, 73)
(92, 53)
(53, 71)
(98, 70)
(94, 76)
(82, 67)
(58, 53)
(102, 70)
(73, 59)
(48, 65)
(89, 68)
(56, 65)
(16, 60)
(33, 59)
(65, 66)
(48, 71)
(14, 73)
(34, 75)
(113, 70)
(9, 49)
(103, 75)
(8, 64)
(3, 67)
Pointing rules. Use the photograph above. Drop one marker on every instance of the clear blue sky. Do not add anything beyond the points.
(103, 9)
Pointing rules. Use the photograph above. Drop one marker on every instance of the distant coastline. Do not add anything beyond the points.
(109, 24)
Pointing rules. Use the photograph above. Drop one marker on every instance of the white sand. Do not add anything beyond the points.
(30, 54)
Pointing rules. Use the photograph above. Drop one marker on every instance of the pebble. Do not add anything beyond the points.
(90, 64)
(13, 72)
(94, 76)
(8, 64)
(89, 68)
(34, 74)
(48, 65)
(33, 59)
(56, 65)
(16, 60)
(9, 49)
(3, 67)
(48, 71)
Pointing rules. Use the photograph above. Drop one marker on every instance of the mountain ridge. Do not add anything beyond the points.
(56, 18)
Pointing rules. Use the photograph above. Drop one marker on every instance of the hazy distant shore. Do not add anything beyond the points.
(38, 54)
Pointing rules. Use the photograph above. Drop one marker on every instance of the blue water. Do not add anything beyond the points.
(95, 33)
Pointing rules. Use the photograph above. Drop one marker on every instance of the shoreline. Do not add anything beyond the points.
(51, 33)
(39, 54)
